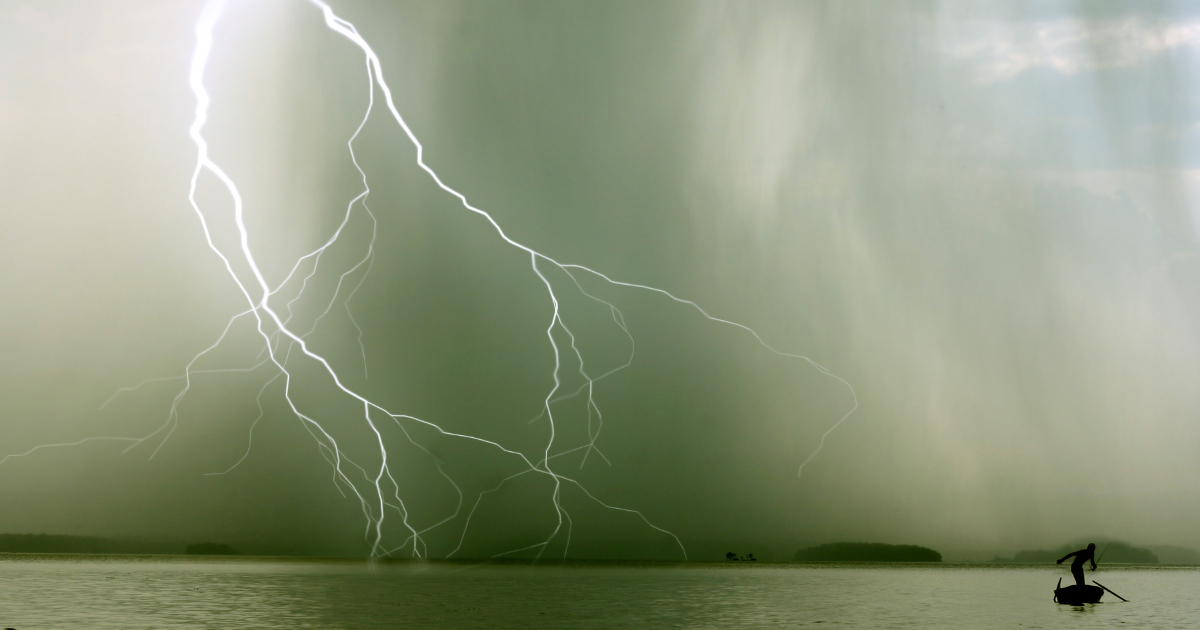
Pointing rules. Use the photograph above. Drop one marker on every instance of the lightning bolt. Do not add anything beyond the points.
(374, 486)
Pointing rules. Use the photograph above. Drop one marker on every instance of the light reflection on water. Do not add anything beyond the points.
(176, 592)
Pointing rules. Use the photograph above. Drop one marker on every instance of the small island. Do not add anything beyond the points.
(211, 549)
(867, 552)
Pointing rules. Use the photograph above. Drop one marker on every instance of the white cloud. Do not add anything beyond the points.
(1002, 50)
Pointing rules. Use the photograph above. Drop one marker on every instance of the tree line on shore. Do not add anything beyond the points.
(867, 552)
(55, 543)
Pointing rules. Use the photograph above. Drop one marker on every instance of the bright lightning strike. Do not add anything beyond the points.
(376, 487)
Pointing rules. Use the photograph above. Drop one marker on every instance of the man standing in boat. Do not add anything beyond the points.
(1081, 556)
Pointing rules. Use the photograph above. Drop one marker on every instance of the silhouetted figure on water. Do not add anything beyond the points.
(1081, 556)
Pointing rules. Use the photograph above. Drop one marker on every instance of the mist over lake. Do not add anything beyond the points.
(178, 593)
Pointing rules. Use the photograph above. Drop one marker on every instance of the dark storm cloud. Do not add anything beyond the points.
(987, 232)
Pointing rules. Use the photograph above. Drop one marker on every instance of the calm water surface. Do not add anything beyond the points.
(169, 592)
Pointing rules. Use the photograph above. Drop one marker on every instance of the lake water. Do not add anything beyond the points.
(177, 592)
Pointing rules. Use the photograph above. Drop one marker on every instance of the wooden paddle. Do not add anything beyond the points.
(1107, 589)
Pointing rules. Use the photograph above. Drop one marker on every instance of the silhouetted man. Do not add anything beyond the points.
(1081, 556)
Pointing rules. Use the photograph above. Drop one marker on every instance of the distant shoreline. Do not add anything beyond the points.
(867, 552)
(11, 555)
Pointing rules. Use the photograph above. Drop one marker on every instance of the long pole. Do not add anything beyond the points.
(1110, 591)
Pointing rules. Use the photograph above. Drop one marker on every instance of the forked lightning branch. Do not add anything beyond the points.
(283, 344)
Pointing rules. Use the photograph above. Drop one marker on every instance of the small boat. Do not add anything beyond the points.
(1077, 594)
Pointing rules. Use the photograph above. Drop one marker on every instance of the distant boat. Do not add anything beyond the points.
(1076, 594)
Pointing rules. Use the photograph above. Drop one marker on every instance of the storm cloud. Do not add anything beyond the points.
(982, 217)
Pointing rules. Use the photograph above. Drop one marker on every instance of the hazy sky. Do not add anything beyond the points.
(981, 215)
